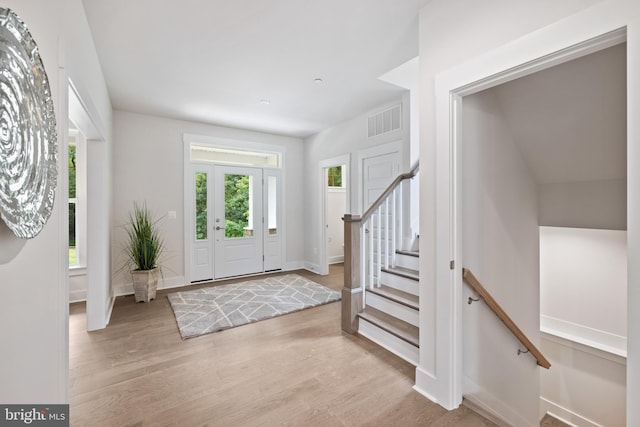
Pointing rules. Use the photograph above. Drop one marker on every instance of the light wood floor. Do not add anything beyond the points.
(295, 370)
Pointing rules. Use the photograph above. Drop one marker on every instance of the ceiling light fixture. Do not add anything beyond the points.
(318, 81)
(265, 102)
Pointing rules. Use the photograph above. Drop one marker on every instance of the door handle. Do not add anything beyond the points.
(219, 228)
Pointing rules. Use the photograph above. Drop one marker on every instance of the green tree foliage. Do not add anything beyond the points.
(335, 176)
(72, 171)
(236, 197)
(201, 205)
(72, 195)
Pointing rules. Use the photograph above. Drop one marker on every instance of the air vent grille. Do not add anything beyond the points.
(384, 121)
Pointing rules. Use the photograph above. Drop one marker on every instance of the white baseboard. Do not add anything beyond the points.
(565, 415)
(294, 265)
(336, 259)
(315, 268)
(427, 381)
(493, 407)
(482, 410)
(77, 296)
(112, 302)
(164, 283)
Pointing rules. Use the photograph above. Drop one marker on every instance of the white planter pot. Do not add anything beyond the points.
(145, 284)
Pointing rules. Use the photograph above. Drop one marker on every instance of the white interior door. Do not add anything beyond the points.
(201, 230)
(378, 172)
(237, 225)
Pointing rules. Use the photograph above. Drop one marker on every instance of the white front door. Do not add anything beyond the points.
(237, 221)
(235, 224)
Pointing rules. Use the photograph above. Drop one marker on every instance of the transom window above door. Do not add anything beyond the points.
(234, 156)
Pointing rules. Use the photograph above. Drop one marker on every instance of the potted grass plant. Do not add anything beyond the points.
(144, 248)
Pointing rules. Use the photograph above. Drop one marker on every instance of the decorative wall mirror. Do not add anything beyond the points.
(28, 143)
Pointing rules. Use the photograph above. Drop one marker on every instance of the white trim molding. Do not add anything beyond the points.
(565, 415)
(590, 337)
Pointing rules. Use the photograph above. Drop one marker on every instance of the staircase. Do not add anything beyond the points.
(390, 316)
(380, 297)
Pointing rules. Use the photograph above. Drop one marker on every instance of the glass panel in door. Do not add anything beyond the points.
(238, 219)
(201, 206)
(272, 225)
(202, 246)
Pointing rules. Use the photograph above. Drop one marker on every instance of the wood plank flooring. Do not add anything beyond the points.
(294, 370)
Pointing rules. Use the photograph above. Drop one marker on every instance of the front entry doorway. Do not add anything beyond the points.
(229, 225)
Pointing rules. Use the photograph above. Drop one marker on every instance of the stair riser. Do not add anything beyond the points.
(390, 342)
(399, 311)
(401, 283)
(408, 261)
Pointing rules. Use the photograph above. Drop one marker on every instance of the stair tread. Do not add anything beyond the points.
(408, 253)
(394, 326)
(397, 295)
(402, 271)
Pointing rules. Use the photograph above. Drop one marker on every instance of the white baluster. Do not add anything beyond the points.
(371, 254)
(394, 229)
(386, 233)
(379, 244)
(363, 263)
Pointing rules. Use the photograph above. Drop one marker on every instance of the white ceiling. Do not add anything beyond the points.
(570, 120)
(213, 61)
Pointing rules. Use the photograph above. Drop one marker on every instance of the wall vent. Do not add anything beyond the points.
(385, 121)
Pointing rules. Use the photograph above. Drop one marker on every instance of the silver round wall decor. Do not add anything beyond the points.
(28, 143)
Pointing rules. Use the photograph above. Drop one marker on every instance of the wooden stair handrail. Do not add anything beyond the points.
(407, 175)
(504, 317)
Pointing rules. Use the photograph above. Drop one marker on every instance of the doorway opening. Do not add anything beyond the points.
(89, 278)
(233, 199)
(335, 182)
(335, 207)
(542, 165)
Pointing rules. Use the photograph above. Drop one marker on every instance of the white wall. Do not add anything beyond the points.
(583, 280)
(346, 138)
(585, 204)
(148, 165)
(500, 246)
(583, 317)
(585, 386)
(33, 282)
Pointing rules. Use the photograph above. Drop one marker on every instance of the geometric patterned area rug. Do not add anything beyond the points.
(206, 310)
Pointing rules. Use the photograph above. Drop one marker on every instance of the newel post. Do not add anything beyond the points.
(351, 292)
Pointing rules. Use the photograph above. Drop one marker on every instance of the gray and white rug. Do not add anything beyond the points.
(207, 310)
